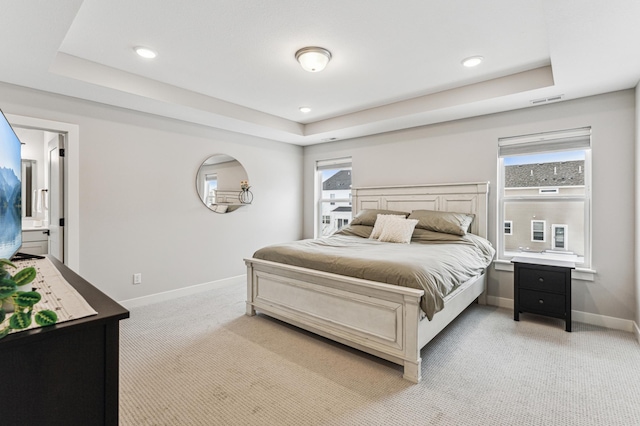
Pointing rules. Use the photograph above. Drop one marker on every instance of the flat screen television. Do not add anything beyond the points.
(10, 190)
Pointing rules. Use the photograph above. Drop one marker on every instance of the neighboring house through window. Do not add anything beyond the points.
(545, 191)
(333, 178)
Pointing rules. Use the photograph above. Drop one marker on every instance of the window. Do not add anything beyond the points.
(548, 191)
(210, 187)
(508, 227)
(342, 222)
(546, 179)
(559, 234)
(537, 230)
(333, 195)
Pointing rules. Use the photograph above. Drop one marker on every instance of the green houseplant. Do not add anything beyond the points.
(16, 306)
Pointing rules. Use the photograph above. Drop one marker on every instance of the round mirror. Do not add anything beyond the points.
(222, 184)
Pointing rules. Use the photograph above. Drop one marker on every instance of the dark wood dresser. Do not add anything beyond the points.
(66, 374)
(542, 287)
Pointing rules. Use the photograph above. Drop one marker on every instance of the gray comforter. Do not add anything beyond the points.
(434, 262)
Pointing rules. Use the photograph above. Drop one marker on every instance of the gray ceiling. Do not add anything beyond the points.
(230, 64)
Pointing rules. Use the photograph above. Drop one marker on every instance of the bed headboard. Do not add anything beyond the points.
(452, 197)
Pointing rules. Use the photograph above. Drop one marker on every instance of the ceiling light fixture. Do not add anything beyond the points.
(472, 61)
(313, 59)
(305, 109)
(145, 52)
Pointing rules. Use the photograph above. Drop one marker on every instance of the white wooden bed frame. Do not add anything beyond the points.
(380, 319)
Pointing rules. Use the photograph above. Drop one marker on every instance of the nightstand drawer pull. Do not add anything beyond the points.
(541, 301)
(541, 279)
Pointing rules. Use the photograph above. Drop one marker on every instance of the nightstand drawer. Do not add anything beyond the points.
(538, 301)
(537, 279)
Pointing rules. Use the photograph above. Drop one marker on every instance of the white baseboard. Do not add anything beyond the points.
(186, 291)
(585, 317)
(501, 302)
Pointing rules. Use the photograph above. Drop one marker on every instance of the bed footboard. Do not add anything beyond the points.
(376, 318)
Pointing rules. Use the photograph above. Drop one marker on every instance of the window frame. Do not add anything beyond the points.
(555, 226)
(510, 222)
(344, 163)
(543, 230)
(564, 140)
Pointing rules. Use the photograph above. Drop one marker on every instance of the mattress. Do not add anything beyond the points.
(434, 262)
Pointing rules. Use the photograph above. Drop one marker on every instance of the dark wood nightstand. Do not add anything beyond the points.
(543, 287)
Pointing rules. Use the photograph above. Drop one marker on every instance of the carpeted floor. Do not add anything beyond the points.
(199, 360)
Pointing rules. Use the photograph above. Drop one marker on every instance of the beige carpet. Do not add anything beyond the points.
(200, 361)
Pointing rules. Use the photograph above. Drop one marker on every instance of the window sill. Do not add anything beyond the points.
(581, 274)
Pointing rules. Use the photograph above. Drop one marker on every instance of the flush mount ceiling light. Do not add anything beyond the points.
(305, 109)
(472, 61)
(313, 59)
(145, 52)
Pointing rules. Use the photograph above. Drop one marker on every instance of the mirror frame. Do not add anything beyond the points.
(232, 189)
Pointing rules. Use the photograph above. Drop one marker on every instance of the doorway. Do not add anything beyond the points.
(43, 154)
(63, 183)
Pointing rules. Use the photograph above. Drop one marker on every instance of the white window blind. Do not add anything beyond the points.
(565, 140)
(336, 163)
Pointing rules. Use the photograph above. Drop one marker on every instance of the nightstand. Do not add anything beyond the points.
(543, 287)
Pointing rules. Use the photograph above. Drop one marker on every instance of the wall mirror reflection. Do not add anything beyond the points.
(29, 183)
(222, 184)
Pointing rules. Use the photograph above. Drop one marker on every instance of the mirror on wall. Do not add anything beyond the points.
(222, 184)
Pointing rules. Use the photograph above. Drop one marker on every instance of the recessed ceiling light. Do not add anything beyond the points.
(472, 61)
(305, 109)
(145, 52)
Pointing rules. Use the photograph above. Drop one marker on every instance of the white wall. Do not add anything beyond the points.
(466, 151)
(139, 210)
(637, 213)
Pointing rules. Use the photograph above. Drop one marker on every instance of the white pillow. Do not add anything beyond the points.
(381, 219)
(398, 230)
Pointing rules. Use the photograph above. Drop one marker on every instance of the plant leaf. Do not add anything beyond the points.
(27, 298)
(46, 317)
(7, 288)
(25, 276)
(20, 320)
(3, 314)
(6, 262)
(4, 332)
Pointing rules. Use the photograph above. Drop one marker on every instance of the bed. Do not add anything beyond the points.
(385, 320)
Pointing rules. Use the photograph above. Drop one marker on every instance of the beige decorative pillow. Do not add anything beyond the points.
(447, 222)
(381, 220)
(398, 230)
(368, 216)
(355, 230)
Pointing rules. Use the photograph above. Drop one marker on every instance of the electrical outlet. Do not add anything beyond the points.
(137, 278)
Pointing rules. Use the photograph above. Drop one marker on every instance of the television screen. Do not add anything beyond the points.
(10, 190)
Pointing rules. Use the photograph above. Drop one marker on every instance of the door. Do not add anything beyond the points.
(56, 197)
(560, 237)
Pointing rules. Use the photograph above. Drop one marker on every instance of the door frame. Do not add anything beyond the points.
(71, 181)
